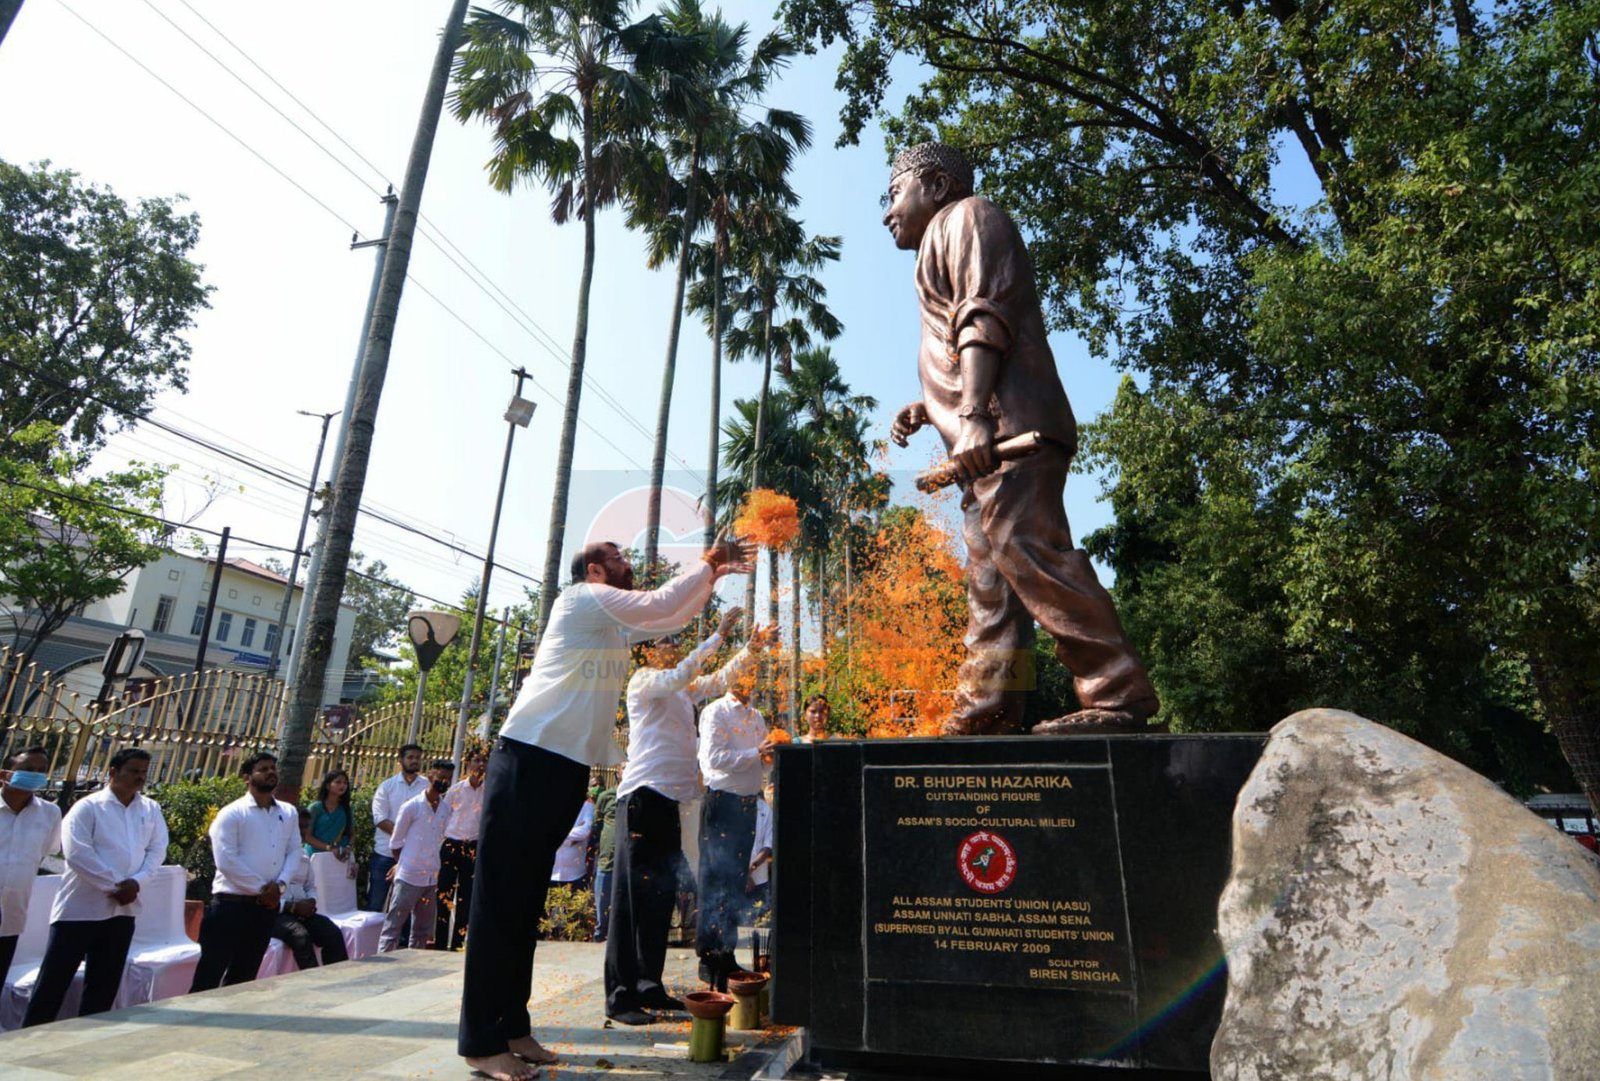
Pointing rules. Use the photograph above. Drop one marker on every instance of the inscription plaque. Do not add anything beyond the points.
(1005, 876)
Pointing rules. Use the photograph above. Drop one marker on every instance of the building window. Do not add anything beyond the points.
(164, 608)
(256, 600)
(271, 643)
(199, 620)
(233, 594)
(172, 576)
(224, 625)
(247, 636)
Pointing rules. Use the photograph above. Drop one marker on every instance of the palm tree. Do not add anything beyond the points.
(701, 104)
(555, 83)
(779, 305)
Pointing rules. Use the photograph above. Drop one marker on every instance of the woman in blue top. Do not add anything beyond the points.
(333, 824)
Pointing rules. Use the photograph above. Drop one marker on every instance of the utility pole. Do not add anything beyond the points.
(518, 414)
(317, 645)
(299, 546)
(8, 12)
(313, 571)
(205, 623)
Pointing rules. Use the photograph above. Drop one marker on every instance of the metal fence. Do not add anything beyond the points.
(195, 725)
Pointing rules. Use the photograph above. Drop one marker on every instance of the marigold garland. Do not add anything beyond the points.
(769, 518)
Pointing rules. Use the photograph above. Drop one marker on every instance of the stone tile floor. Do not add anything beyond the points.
(392, 1016)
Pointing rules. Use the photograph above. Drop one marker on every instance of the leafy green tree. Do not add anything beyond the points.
(1362, 470)
(67, 540)
(97, 295)
(554, 82)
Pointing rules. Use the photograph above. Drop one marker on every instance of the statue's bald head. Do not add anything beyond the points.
(923, 159)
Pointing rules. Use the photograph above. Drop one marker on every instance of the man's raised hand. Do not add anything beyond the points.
(730, 619)
(729, 554)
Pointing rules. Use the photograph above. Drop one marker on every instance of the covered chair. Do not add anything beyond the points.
(336, 899)
(30, 952)
(162, 959)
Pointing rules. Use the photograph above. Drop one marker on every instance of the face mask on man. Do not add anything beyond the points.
(28, 781)
(441, 786)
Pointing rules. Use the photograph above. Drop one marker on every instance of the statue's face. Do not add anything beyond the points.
(912, 204)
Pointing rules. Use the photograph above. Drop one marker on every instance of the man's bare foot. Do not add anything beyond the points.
(531, 1050)
(503, 1067)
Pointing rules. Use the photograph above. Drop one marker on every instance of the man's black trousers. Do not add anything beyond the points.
(101, 946)
(456, 860)
(302, 933)
(234, 936)
(530, 800)
(727, 833)
(645, 876)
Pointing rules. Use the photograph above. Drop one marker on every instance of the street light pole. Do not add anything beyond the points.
(518, 414)
(299, 546)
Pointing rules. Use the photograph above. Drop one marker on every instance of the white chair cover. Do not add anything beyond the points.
(336, 899)
(162, 958)
(30, 951)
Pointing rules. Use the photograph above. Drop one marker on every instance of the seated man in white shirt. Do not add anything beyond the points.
(255, 843)
(300, 926)
(30, 830)
(114, 840)
(735, 749)
(572, 858)
(663, 773)
(758, 891)
(419, 831)
(561, 724)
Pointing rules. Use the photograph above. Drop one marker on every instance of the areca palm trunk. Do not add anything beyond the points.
(580, 349)
(755, 457)
(658, 457)
(795, 698)
(819, 593)
(716, 390)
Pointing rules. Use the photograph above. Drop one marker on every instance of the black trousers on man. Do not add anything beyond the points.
(304, 935)
(456, 865)
(530, 800)
(727, 833)
(8, 950)
(645, 877)
(101, 946)
(234, 936)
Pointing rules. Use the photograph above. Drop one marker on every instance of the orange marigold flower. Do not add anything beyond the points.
(778, 735)
(769, 518)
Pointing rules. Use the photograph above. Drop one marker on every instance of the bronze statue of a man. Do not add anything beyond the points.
(988, 373)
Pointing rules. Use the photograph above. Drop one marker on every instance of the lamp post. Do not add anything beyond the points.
(430, 632)
(518, 415)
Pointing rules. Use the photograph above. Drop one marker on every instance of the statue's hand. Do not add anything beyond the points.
(908, 421)
(973, 453)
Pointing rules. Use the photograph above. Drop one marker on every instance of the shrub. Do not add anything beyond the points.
(188, 807)
(569, 915)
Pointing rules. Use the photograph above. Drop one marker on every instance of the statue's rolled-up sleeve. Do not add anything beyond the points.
(983, 258)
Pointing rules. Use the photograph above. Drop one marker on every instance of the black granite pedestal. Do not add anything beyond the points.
(991, 907)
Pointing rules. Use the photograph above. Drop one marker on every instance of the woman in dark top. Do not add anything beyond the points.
(333, 824)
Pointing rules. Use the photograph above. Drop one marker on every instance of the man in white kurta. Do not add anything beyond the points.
(663, 773)
(30, 830)
(114, 840)
(562, 723)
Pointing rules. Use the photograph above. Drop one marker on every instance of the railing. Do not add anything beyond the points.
(195, 725)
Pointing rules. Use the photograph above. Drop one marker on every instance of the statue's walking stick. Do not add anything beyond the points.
(1007, 450)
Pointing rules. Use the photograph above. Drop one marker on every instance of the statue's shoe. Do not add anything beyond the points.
(1101, 722)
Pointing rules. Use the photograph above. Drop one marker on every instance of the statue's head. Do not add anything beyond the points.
(923, 179)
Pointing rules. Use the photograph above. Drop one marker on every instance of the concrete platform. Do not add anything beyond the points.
(392, 1016)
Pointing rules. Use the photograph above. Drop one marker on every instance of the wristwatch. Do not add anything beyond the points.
(968, 411)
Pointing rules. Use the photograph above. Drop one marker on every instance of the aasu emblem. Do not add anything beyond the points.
(988, 862)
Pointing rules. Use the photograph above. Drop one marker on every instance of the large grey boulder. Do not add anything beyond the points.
(1391, 914)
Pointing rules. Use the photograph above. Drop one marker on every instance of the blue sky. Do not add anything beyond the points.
(283, 326)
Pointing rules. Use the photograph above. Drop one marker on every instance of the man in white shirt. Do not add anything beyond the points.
(663, 773)
(113, 840)
(758, 895)
(734, 750)
(30, 830)
(419, 831)
(255, 843)
(458, 854)
(393, 793)
(571, 865)
(561, 724)
(300, 926)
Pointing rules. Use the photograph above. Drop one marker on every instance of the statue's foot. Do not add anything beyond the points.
(1102, 722)
(977, 724)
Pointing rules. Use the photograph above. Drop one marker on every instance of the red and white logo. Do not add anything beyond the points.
(988, 862)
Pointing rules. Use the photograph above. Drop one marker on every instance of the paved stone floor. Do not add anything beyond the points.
(392, 1016)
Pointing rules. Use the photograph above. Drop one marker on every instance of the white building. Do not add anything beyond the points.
(167, 599)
